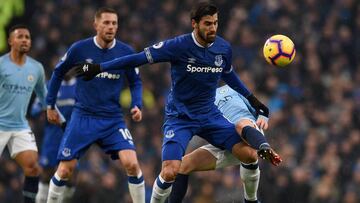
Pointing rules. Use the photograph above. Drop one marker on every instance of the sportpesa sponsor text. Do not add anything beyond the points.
(108, 76)
(206, 69)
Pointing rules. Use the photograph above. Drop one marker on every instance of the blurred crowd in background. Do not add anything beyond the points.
(314, 102)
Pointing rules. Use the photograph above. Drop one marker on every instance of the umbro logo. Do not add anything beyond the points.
(191, 60)
(89, 60)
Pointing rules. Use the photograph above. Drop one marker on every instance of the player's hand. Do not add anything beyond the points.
(262, 122)
(87, 70)
(136, 114)
(53, 116)
(260, 108)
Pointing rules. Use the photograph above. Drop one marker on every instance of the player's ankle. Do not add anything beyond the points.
(264, 146)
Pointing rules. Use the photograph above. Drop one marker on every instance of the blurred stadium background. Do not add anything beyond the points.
(314, 103)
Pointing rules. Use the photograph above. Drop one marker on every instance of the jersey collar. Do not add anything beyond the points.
(197, 43)
(112, 46)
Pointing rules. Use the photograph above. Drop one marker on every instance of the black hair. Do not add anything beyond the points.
(104, 10)
(203, 9)
(17, 26)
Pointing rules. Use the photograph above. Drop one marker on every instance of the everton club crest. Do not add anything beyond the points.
(218, 60)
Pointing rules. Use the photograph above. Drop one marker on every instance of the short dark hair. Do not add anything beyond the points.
(203, 9)
(104, 10)
(17, 26)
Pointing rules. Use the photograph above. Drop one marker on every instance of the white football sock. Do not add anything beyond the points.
(68, 194)
(42, 194)
(250, 178)
(161, 190)
(56, 189)
(137, 188)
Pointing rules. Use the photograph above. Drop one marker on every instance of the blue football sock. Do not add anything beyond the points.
(254, 137)
(30, 189)
(179, 188)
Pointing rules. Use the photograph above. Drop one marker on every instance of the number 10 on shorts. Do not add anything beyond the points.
(125, 133)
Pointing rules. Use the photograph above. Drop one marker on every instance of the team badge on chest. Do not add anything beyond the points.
(218, 60)
(30, 78)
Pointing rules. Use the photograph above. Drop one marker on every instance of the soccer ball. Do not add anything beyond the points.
(279, 50)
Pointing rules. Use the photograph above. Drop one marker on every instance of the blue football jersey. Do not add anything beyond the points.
(195, 72)
(99, 97)
(233, 105)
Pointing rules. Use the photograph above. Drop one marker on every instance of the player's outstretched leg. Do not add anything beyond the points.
(250, 176)
(60, 179)
(135, 178)
(253, 136)
(250, 134)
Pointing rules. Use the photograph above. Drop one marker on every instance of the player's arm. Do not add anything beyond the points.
(162, 52)
(232, 79)
(64, 65)
(61, 68)
(135, 85)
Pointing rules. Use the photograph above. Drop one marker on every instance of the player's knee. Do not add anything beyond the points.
(64, 172)
(251, 158)
(31, 169)
(242, 124)
(169, 173)
(131, 167)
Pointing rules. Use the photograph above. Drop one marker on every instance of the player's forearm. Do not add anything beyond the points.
(132, 60)
(235, 83)
(136, 94)
(55, 82)
(54, 86)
